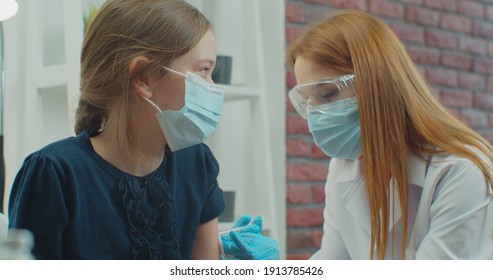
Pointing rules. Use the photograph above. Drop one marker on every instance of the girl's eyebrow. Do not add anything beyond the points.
(207, 60)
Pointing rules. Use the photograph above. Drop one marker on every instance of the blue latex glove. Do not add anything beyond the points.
(254, 227)
(248, 243)
(225, 240)
(251, 246)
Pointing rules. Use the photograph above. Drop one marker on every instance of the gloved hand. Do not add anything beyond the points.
(251, 246)
(248, 243)
(243, 221)
(241, 225)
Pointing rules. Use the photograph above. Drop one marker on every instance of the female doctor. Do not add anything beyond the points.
(407, 179)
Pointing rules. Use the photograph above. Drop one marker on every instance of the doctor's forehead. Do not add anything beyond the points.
(306, 69)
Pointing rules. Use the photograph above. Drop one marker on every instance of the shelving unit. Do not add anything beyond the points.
(53, 44)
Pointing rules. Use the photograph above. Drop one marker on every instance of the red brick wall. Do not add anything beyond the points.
(450, 40)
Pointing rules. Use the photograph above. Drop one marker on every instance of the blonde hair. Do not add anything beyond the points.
(398, 111)
(122, 30)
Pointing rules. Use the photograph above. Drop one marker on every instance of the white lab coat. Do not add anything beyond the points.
(450, 212)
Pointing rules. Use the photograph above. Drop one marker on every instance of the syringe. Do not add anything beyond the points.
(233, 229)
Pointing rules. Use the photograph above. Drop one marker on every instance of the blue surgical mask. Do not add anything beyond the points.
(336, 128)
(196, 121)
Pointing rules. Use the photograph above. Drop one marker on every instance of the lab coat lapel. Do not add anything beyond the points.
(356, 202)
(417, 168)
(355, 198)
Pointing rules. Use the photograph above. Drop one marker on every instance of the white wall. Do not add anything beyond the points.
(15, 115)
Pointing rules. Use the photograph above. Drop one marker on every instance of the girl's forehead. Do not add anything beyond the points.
(204, 51)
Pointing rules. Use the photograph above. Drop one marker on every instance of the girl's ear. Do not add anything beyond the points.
(140, 81)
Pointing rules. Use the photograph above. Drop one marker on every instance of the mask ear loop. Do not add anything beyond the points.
(174, 71)
(152, 103)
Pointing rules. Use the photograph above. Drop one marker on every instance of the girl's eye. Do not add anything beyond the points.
(204, 72)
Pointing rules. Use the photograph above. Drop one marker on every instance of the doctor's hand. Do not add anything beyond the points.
(226, 243)
(243, 225)
(251, 246)
(247, 242)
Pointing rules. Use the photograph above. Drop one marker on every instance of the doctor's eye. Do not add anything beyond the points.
(327, 93)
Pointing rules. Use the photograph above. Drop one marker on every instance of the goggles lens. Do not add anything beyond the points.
(320, 93)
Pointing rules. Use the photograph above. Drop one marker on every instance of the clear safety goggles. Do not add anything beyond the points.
(322, 92)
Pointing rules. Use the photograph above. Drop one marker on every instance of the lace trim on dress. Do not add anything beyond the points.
(151, 216)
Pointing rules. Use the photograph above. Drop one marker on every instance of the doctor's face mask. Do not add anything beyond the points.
(198, 118)
(335, 127)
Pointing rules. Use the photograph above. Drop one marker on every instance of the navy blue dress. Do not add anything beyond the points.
(78, 206)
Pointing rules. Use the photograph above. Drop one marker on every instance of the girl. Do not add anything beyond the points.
(136, 182)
